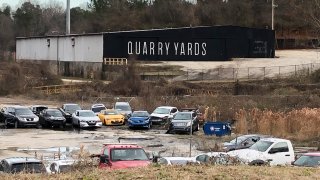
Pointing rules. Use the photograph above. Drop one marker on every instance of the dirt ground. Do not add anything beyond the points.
(46, 142)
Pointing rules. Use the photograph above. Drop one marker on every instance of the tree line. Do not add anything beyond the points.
(292, 17)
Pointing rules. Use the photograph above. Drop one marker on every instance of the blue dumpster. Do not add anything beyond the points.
(217, 128)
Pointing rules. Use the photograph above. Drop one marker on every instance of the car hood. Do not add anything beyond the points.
(159, 115)
(129, 164)
(93, 118)
(180, 121)
(118, 116)
(27, 116)
(247, 155)
(139, 118)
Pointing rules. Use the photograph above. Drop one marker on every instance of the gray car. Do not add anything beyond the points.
(243, 142)
(183, 121)
(123, 108)
(22, 165)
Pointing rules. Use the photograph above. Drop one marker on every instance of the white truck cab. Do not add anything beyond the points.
(268, 150)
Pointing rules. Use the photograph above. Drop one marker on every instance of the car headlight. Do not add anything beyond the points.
(83, 121)
(189, 124)
(21, 119)
(147, 121)
(166, 117)
(36, 118)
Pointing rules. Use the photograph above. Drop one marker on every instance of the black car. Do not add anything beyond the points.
(52, 117)
(183, 121)
(18, 116)
(22, 165)
(36, 109)
(67, 111)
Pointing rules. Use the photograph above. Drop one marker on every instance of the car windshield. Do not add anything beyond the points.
(111, 113)
(161, 111)
(140, 114)
(86, 114)
(123, 107)
(33, 167)
(24, 111)
(71, 108)
(128, 154)
(238, 140)
(261, 145)
(54, 113)
(98, 109)
(183, 116)
(306, 160)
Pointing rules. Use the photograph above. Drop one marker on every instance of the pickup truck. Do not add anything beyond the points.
(121, 156)
(273, 151)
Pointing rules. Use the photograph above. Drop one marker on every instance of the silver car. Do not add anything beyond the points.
(85, 119)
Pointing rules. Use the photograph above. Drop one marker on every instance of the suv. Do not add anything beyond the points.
(163, 114)
(121, 156)
(183, 121)
(67, 111)
(19, 116)
(124, 108)
(22, 164)
(52, 117)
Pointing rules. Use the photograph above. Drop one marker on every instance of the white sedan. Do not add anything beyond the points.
(85, 119)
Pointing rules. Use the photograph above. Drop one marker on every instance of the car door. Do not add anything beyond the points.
(279, 154)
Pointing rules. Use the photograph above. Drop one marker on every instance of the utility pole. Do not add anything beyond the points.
(273, 7)
(68, 18)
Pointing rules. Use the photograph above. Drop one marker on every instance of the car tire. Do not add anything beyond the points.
(257, 163)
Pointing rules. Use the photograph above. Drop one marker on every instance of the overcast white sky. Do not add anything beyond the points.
(14, 4)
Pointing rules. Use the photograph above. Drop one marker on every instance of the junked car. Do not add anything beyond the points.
(163, 114)
(242, 142)
(123, 108)
(273, 151)
(22, 165)
(200, 115)
(176, 160)
(19, 116)
(184, 122)
(140, 119)
(97, 108)
(86, 119)
(52, 117)
(311, 159)
(36, 109)
(68, 109)
(60, 166)
(111, 117)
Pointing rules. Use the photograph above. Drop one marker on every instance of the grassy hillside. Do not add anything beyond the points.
(186, 173)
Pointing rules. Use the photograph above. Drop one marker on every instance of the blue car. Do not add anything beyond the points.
(140, 119)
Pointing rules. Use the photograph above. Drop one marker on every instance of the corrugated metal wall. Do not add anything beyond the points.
(86, 48)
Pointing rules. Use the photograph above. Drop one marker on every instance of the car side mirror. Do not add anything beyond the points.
(104, 159)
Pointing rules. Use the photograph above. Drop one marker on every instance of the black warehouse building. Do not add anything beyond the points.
(191, 43)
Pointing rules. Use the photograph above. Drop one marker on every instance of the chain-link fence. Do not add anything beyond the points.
(248, 73)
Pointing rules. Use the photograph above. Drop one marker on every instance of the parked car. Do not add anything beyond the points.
(85, 119)
(124, 108)
(163, 114)
(19, 116)
(273, 151)
(52, 117)
(121, 156)
(97, 108)
(111, 117)
(68, 109)
(60, 166)
(176, 160)
(243, 142)
(200, 115)
(22, 165)
(36, 109)
(311, 159)
(140, 119)
(183, 122)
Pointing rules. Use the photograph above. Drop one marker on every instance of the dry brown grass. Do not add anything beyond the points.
(185, 172)
(299, 125)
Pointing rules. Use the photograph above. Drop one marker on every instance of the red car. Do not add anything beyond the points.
(121, 156)
(311, 159)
